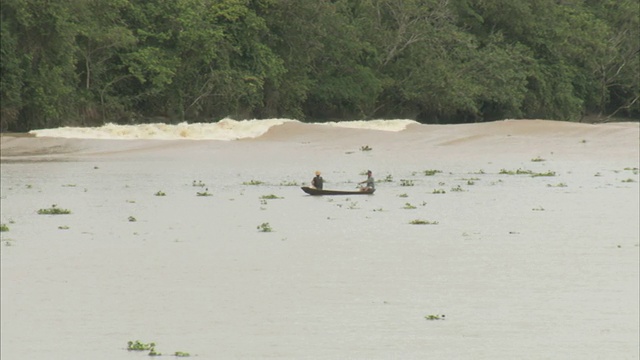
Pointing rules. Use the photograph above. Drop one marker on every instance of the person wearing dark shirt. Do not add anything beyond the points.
(317, 181)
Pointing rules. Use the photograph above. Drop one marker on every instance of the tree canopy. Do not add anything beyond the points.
(83, 62)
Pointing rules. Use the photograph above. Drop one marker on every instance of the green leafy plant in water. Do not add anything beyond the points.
(365, 148)
(288, 183)
(198, 183)
(63, 227)
(515, 172)
(264, 227)
(538, 159)
(54, 210)
(439, 191)
(431, 172)
(403, 195)
(388, 178)
(435, 317)
(457, 188)
(132, 219)
(423, 222)
(408, 206)
(405, 182)
(181, 354)
(270, 197)
(140, 346)
(4, 227)
(204, 193)
(548, 173)
(160, 193)
(253, 182)
(557, 185)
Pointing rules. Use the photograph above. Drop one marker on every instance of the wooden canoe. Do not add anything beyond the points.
(314, 191)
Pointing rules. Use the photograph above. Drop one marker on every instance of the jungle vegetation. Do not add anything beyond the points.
(86, 63)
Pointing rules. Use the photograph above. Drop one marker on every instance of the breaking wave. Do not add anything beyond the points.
(226, 129)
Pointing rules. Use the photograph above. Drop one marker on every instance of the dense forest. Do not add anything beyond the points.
(86, 62)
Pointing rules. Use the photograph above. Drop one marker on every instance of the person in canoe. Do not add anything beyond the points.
(370, 184)
(317, 181)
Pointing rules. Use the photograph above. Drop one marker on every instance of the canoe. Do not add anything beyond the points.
(314, 191)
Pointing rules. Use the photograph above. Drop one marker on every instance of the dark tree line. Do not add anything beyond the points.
(85, 62)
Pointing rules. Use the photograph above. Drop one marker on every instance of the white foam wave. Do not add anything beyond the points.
(226, 129)
(384, 125)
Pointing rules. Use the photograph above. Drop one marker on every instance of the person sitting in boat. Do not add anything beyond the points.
(317, 181)
(370, 185)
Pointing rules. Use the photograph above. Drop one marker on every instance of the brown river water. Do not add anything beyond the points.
(530, 251)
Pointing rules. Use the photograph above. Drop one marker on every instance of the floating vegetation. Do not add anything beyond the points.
(538, 159)
(140, 346)
(181, 354)
(548, 173)
(423, 222)
(204, 193)
(597, 174)
(63, 227)
(439, 191)
(403, 195)
(561, 185)
(405, 182)
(516, 172)
(628, 180)
(160, 193)
(132, 219)
(198, 183)
(253, 182)
(435, 317)
(54, 210)
(471, 182)
(634, 170)
(131, 201)
(270, 197)
(539, 208)
(288, 183)
(264, 227)
(479, 172)
(431, 172)
(69, 185)
(457, 189)
(408, 206)
(365, 148)
(4, 227)
(388, 178)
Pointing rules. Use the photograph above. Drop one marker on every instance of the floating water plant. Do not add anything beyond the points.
(198, 183)
(160, 193)
(539, 208)
(557, 185)
(204, 193)
(470, 182)
(270, 197)
(288, 183)
(365, 148)
(515, 172)
(140, 346)
(403, 195)
(435, 317)
(253, 182)
(423, 222)
(457, 188)
(408, 206)
(181, 354)
(4, 227)
(405, 182)
(439, 191)
(628, 180)
(431, 172)
(63, 227)
(264, 227)
(54, 210)
(538, 159)
(548, 173)
(132, 219)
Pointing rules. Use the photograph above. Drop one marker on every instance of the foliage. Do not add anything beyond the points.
(4, 227)
(264, 227)
(54, 210)
(423, 222)
(435, 317)
(160, 193)
(437, 61)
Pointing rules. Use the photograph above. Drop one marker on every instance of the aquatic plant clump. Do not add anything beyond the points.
(264, 227)
(54, 210)
(4, 227)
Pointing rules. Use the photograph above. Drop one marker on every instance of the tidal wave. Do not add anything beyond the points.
(226, 129)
